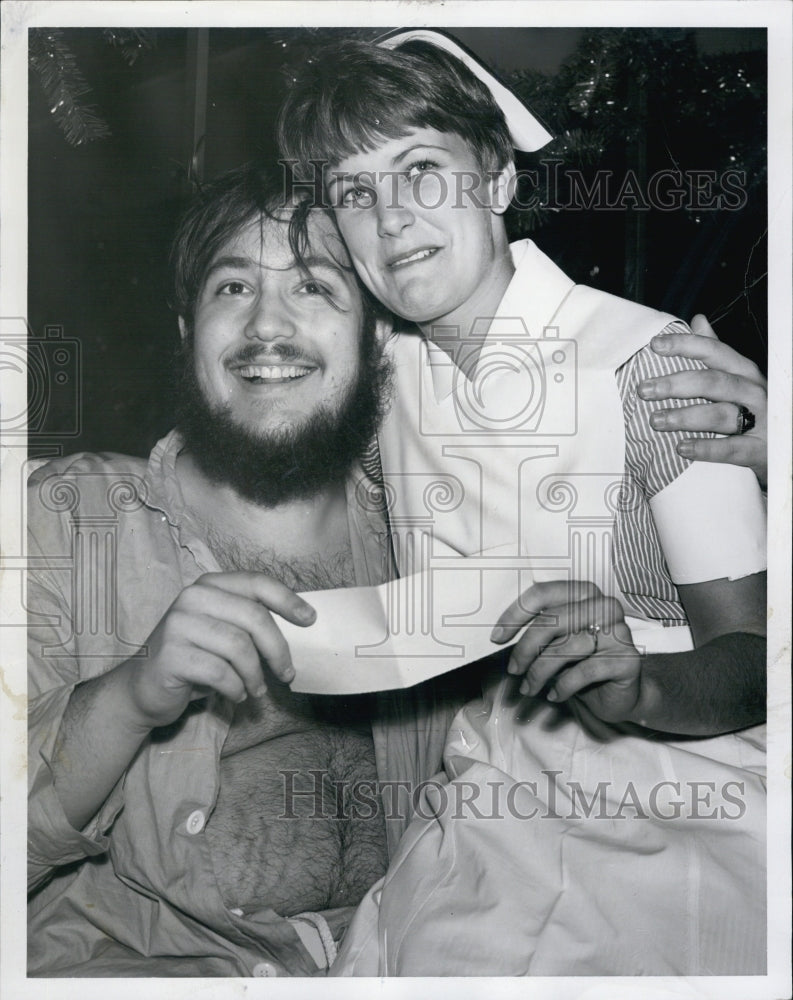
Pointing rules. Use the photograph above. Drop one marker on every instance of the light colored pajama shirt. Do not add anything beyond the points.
(134, 893)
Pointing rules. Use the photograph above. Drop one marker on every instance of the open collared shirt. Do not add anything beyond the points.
(134, 893)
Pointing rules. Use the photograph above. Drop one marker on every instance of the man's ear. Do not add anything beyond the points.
(183, 331)
(502, 189)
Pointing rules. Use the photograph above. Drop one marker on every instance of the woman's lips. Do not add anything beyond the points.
(412, 257)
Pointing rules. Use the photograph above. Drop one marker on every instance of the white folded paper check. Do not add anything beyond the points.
(403, 632)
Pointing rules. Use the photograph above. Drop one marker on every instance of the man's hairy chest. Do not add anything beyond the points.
(285, 833)
(326, 570)
(282, 834)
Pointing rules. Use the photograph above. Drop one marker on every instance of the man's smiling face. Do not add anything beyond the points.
(421, 220)
(274, 343)
(283, 379)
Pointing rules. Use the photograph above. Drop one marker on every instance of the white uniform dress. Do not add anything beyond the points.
(559, 847)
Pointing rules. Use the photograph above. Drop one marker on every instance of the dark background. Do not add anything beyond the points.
(123, 123)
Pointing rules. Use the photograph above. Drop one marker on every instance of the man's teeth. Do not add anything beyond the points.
(273, 371)
(418, 255)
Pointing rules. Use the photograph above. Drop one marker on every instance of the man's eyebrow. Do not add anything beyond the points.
(229, 263)
(319, 260)
(233, 263)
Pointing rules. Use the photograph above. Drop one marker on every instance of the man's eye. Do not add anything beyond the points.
(358, 198)
(315, 288)
(232, 288)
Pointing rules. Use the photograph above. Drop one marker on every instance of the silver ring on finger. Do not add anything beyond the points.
(594, 631)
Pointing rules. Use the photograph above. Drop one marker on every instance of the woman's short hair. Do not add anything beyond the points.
(354, 95)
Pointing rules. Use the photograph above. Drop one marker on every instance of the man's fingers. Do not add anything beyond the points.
(718, 386)
(270, 592)
(736, 450)
(715, 354)
(702, 328)
(721, 418)
(541, 598)
(212, 603)
(230, 648)
(206, 672)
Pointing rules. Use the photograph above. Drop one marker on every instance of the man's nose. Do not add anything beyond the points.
(270, 318)
(393, 215)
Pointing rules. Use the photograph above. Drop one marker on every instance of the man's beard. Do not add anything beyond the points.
(294, 463)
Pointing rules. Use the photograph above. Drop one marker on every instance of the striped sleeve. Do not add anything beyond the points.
(651, 463)
(651, 458)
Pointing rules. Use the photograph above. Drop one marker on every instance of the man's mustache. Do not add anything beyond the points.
(257, 353)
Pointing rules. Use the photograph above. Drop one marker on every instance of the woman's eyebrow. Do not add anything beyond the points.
(412, 149)
(340, 176)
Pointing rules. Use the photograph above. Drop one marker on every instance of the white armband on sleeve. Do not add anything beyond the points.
(711, 523)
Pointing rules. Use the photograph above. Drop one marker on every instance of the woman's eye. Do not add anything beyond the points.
(420, 167)
(358, 198)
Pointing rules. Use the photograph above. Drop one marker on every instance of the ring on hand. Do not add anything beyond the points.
(745, 420)
(594, 631)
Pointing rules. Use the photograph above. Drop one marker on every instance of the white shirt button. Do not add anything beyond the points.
(265, 969)
(195, 822)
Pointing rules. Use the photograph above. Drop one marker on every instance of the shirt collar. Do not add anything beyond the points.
(368, 531)
(164, 491)
(165, 495)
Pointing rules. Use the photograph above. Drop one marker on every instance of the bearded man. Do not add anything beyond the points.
(163, 732)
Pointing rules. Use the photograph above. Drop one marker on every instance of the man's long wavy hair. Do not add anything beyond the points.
(223, 208)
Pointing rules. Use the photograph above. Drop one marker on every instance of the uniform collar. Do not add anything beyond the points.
(537, 289)
(535, 294)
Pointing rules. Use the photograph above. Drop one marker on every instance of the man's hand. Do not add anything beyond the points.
(214, 637)
(732, 382)
(562, 655)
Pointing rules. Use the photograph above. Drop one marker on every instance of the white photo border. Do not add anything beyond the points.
(777, 17)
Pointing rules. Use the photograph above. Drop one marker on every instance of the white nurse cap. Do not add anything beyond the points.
(525, 130)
